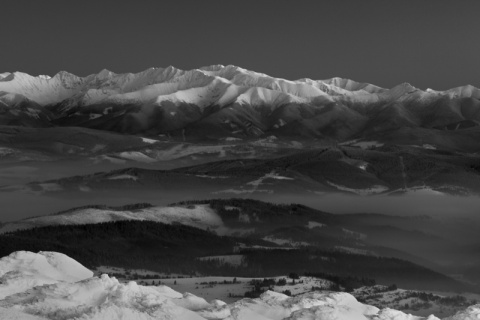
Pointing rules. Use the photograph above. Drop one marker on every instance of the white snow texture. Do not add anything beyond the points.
(50, 285)
(211, 85)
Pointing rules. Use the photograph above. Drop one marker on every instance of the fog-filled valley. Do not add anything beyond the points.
(267, 160)
(251, 189)
(19, 206)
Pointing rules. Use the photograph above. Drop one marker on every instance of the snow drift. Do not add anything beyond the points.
(23, 270)
(49, 285)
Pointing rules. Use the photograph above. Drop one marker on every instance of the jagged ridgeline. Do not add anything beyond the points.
(267, 239)
(228, 101)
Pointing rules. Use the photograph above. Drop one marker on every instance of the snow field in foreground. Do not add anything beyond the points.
(23, 270)
(58, 287)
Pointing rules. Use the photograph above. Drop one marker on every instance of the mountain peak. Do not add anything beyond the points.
(352, 85)
(64, 74)
(402, 89)
(207, 85)
(214, 67)
(105, 73)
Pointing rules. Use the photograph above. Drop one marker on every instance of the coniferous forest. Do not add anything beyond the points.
(177, 249)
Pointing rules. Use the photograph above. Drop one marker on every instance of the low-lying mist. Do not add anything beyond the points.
(409, 204)
(23, 205)
(450, 244)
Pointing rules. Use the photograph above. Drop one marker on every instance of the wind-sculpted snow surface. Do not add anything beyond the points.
(105, 298)
(471, 313)
(23, 270)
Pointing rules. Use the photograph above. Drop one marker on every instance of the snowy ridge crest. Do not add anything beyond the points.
(216, 84)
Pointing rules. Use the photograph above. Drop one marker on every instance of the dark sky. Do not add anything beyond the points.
(429, 43)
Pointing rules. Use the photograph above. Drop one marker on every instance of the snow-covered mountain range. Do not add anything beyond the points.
(72, 292)
(220, 101)
(217, 84)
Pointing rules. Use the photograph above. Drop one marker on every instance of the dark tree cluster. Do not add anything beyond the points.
(177, 248)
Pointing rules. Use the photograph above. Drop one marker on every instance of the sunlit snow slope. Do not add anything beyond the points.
(202, 216)
(224, 101)
(212, 84)
(105, 298)
(23, 270)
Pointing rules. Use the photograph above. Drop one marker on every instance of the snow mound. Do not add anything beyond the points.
(471, 313)
(22, 270)
(311, 306)
(105, 298)
(100, 298)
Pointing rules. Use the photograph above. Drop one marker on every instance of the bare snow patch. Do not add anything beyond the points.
(354, 234)
(93, 116)
(314, 224)
(269, 142)
(243, 191)
(423, 191)
(365, 144)
(283, 242)
(355, 251)
(363, 192)
(136, 156)
(33, 113)
(122, 177)
(185, 149)
(147, 140)
(6, 151)
(363, 166)
(211, 177)
(243, 246)
(107, 110)
(253, 186)
(232, 139)
(271, 175)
